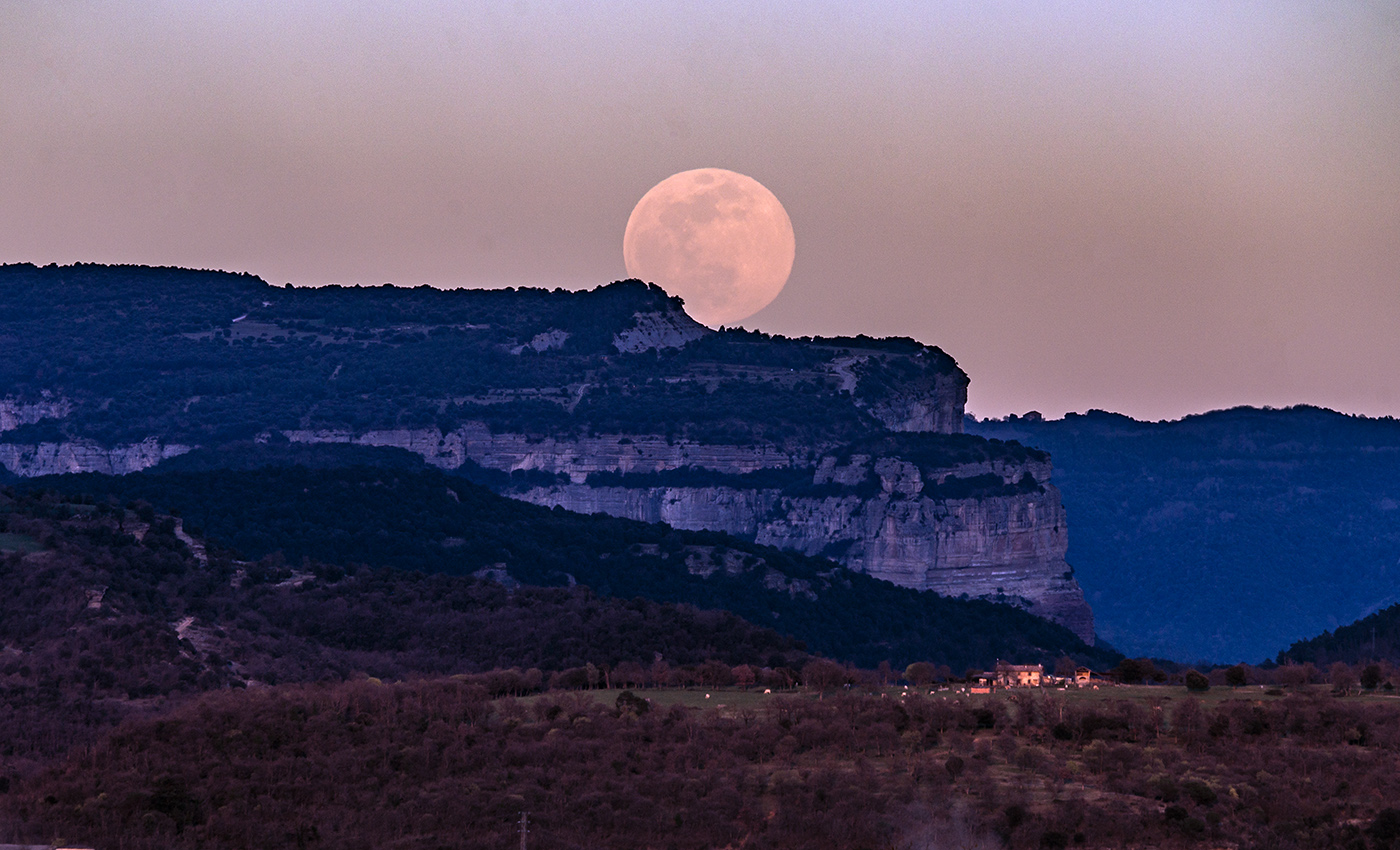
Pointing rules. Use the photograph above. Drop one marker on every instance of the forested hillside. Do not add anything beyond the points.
(119, 354)
(432, 521)
(1372, 638)
(1228, 535)
(106, 612)
(109, 614)
(438, 763)
(116, 369)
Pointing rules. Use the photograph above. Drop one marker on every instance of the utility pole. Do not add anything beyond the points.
(524, 828)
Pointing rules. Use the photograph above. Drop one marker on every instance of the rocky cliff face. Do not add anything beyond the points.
(14, 412)
(576, 457)
(846, 446)
(907, 400)
(1004, 546)
(1007, 548)
(30, 461)
(660, 329)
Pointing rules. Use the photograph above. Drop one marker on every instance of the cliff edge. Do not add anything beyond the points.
(608, 400)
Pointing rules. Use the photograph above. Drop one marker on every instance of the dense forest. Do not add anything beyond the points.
(427, 520)
(204, 358)
(107, 611)
(1370, 639)
(440, 763)
(1228, 535)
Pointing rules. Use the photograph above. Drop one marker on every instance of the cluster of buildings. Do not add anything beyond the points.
(1029, 676)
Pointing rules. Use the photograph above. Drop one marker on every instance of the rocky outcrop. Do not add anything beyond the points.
(550, 339)
(82, 456)
(576, 457)
(1006, 548)
(14, 413)
(581, 456)
(904, 477)
(742, 513)
(906, 393)
(669, 329)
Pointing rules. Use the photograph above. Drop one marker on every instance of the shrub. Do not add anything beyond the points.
(920, 673)
(628, 702)
(1199, 792)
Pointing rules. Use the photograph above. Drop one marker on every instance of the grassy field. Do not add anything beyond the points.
(733, 700)
(19, 543)
(721, 699)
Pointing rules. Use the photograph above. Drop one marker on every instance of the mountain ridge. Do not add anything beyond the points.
(1229, 534)
(116, 369)
(429, 520)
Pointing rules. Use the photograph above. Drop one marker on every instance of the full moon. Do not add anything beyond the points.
(718, 239)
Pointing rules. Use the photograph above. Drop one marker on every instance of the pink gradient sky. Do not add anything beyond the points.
(1154, 208)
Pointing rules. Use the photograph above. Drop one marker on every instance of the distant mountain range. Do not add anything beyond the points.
(1229, 535)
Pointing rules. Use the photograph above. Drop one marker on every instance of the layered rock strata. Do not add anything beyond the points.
(1007, 548)
(14, 412)
(30, 461)
(844, 446)
(575, 457)
(1004, 547)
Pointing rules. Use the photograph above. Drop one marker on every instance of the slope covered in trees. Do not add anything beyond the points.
(107, 612)
(1228, 535)
(437, 763)
(205, 357)
(1372, 638)
(439, 523)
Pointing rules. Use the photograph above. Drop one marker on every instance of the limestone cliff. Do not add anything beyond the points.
(905, 399)
(846, 446)
(576, 457)
(1005, 547)
(33, 460)
(890, 517)
(1008, 548)
(15, 412)
(660, 329)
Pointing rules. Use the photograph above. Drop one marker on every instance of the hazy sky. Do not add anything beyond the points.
(1155, 208)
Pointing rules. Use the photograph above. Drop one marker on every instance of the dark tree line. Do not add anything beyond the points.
(1369, 639)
